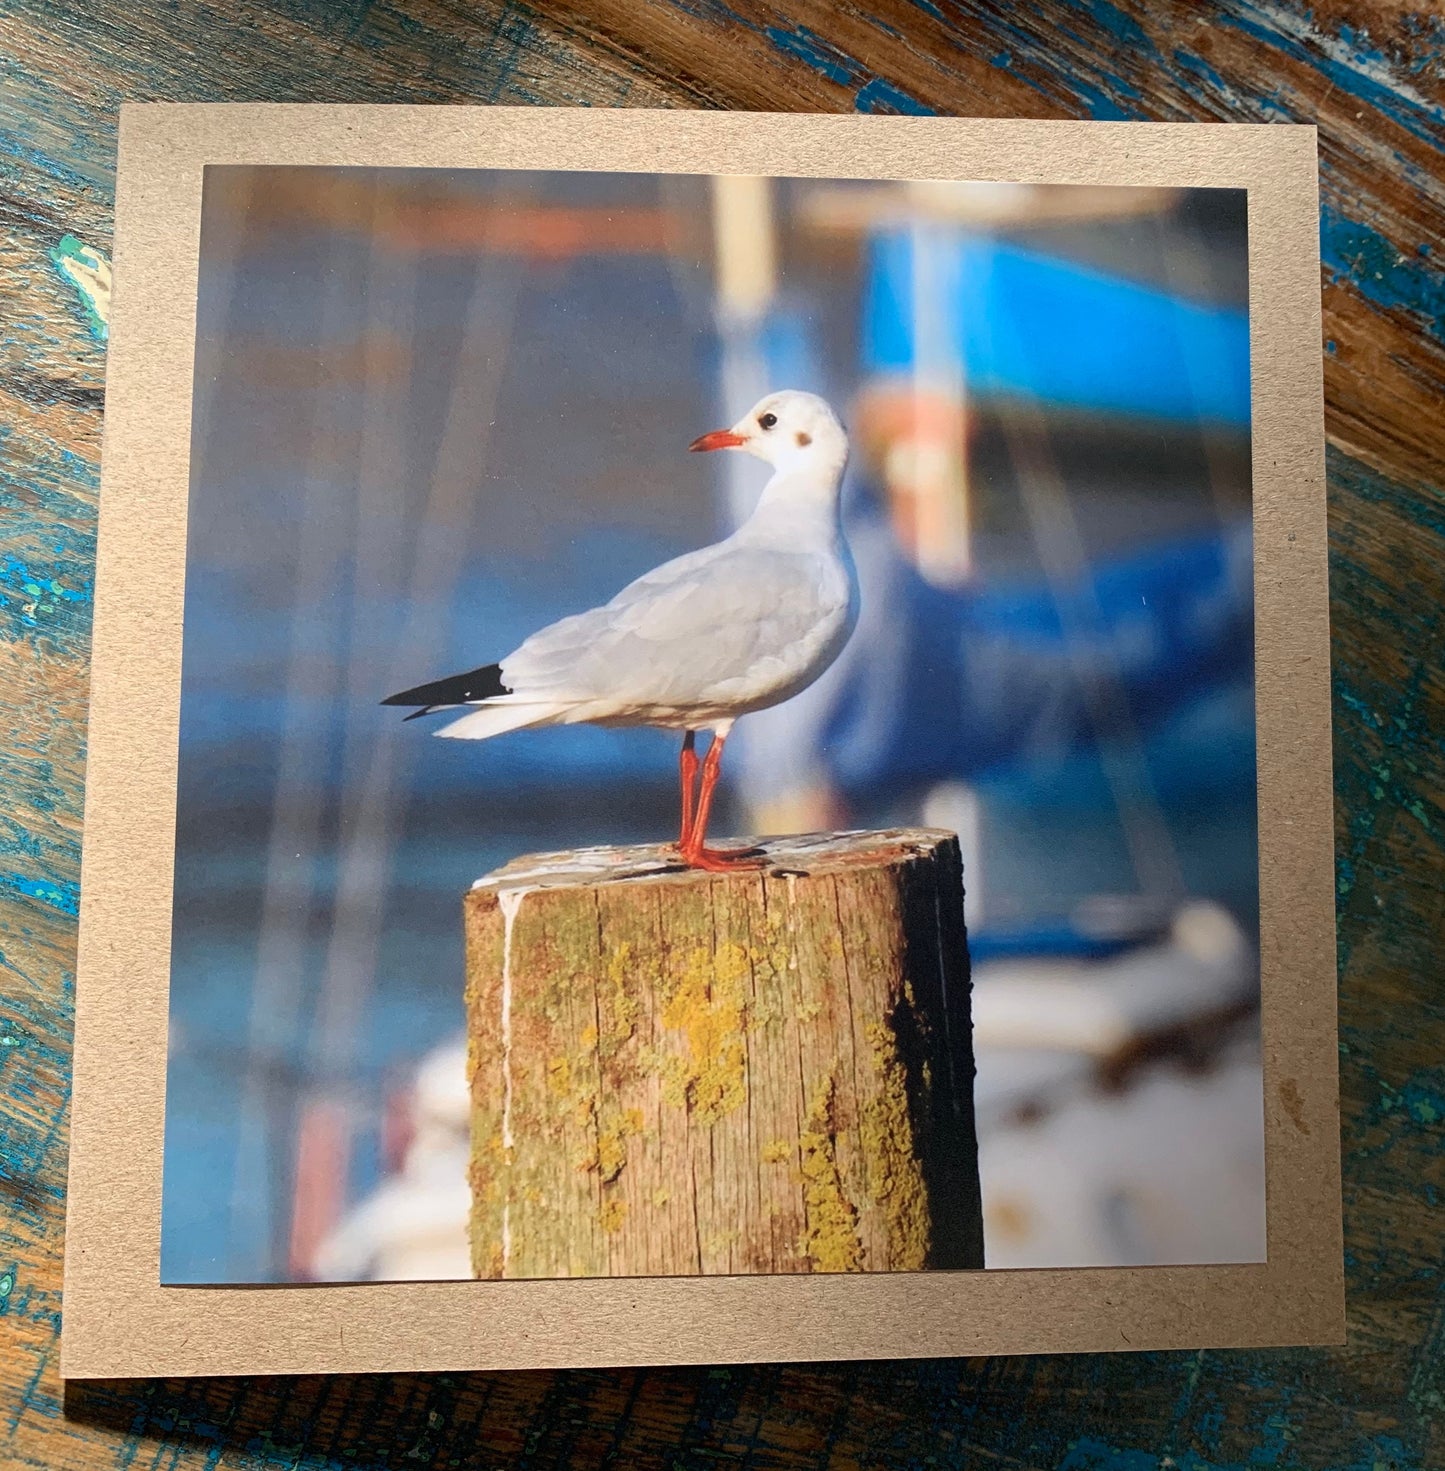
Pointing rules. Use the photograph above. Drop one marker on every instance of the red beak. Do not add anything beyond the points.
(718, 439)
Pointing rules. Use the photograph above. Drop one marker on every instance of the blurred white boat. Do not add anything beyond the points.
(413, 1226)
(1169, 1171)
(1201, 967)
(1119, 1103)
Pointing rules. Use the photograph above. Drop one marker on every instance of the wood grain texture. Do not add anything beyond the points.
(1371, 73)
(677, 1073)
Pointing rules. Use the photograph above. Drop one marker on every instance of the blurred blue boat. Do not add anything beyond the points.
(1062, 334)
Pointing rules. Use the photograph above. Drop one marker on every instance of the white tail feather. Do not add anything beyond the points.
(497, 718)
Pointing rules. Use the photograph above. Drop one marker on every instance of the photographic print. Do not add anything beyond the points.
(834, 598)
(709, 742)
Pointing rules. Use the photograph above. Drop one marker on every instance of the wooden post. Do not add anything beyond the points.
(676, 1072)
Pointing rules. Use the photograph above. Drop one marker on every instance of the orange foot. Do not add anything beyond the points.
(722, 860)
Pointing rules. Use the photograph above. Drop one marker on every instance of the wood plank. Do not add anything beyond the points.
(1372, 74)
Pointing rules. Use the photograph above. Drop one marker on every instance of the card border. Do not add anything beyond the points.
(118, 1318)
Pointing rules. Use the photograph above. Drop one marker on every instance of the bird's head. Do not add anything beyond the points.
(788, 429)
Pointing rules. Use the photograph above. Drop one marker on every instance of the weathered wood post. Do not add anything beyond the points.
(676, 1072)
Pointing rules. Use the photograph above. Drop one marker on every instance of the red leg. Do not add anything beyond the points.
(687, 772)
(695, 852)
(711, 768)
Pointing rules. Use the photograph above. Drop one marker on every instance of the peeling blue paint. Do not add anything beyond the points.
(1119, 24)
(1104, 106)
(1379, 1453)
(36, 602)
(87, 270)
(64, 896)
(1351, 73)
(875, 94)
(882, 96)
(1421, 1101)
(824, 58)
(1351, 250)
(1090, 1454)
(1196, 66)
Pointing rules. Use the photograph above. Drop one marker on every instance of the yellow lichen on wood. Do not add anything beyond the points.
(707, 1007)
(623, 1004)
(611, 1154)
(894, 1169)
(830, 1232)
(720, 1073)
(559, 1076)
(721, 1242)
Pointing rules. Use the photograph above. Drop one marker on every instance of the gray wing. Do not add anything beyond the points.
(726, 623)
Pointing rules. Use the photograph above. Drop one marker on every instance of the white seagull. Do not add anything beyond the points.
(735, 627)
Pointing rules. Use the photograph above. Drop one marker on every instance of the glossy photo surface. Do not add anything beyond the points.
(437, 410)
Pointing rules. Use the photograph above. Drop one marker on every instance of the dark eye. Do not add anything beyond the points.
(766, 421)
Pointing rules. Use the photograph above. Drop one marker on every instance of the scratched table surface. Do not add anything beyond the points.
(1371, 73)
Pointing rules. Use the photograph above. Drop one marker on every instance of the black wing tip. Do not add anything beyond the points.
(456, 689)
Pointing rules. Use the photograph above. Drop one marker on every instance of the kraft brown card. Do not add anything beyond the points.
(872, 892)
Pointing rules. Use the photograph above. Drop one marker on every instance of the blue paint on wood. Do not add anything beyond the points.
(1353, 251)
(1117, 25)
(1190, 65)
(882, 96)
(88, 272)
(814, 52)
(1361, 73)
(62, 896)
(1090, 1454)
(873, 94)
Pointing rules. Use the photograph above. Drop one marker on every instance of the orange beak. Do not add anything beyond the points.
(718, 439)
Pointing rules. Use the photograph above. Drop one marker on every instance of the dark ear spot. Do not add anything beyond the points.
(804, 439)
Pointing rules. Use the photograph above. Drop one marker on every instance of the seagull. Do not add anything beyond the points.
(708, 637)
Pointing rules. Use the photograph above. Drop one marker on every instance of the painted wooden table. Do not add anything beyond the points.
(1372, 74)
